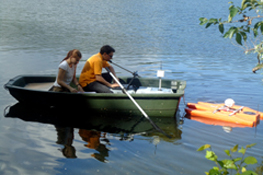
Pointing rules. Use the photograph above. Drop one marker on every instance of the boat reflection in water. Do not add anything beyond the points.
(93, 128)
(226, 126)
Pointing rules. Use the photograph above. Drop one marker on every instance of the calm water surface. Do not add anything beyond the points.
(35, 36)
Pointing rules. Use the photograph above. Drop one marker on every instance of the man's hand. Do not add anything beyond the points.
(114, 85)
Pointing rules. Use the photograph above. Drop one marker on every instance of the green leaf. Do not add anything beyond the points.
(249, 146)
(244, 5)
(232, 31)
(249, 173)
(250, 160)
(226, 35)
(216, 168)
(207, 25)
(261, 29)
(255, 32)
(231, 6)
(210, 155)
(213, 20)
(221, 28)
(227, 152)
(214, 172)
(238, 38)
(229, 164)
(242, 150)
(243, 2)
(221, 163)
(257, 25)
(237, 159)
(203, 21)
(249, 5)
(234, 149)
(204, 147)
(233, 11)
(244, 35)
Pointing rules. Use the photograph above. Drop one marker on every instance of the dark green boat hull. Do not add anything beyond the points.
(163, 105)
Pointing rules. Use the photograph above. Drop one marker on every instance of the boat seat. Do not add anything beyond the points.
(45, 86)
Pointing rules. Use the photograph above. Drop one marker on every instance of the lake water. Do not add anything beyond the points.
(35, 36)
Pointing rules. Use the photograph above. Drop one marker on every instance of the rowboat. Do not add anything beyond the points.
(212, 113)
(154, 100)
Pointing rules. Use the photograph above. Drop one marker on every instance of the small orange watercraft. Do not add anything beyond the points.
(227, 112)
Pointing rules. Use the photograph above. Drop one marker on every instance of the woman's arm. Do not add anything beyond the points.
(75, 81)
(78, 85)
(61, 74)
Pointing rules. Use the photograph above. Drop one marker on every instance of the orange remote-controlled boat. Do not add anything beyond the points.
(227, 112)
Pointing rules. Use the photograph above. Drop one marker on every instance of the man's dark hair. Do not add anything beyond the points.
(108, 49)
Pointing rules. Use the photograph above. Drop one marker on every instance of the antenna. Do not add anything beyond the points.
(160, 74)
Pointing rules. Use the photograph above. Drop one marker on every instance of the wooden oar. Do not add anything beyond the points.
(136, 104)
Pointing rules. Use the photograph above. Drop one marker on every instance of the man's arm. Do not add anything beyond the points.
(102, 80)
(113, 71)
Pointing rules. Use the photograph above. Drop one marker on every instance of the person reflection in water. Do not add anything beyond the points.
(93, 142)
(65, 137)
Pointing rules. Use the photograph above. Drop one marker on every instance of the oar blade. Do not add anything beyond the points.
(158, 129)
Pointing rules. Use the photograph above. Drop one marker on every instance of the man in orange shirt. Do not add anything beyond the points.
(91, 78)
